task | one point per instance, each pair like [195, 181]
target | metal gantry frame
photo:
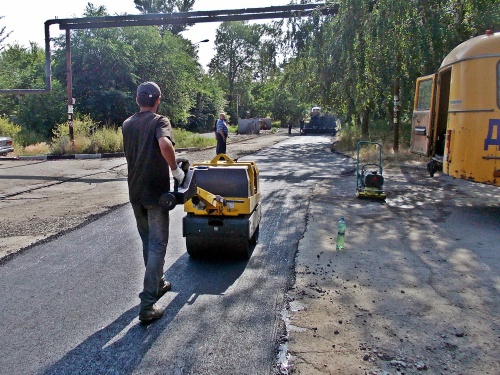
[158, 19]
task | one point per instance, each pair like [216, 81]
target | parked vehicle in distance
[5, 145]
[320, 123]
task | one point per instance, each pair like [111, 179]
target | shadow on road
[122, 345]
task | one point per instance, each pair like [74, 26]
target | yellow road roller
[221, 199]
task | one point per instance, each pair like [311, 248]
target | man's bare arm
[168, 152]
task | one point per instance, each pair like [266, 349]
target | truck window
[424, 95]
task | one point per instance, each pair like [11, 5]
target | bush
[41, 148]
[88, 136]
[108, 139]
[28, 137]
[9, 129]
[348, 137]
[184, 138]
[91, 138]
[380, 132]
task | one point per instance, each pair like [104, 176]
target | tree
[3, 35]
[108, 64]
[237, 45]
[23, 68]
[102, 71]
[349, 62]
[270, 46]
[41, 113]
[210, 101]
[166, 6]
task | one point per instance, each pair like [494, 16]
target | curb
[72, 156]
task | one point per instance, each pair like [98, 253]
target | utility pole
[69, 86]
[396, 119]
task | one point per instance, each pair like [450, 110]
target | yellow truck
[456, 114]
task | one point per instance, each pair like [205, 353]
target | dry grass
[41, 148]
[369, 153]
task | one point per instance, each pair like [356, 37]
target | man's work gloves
[178, 174]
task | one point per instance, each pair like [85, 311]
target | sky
[26, 19]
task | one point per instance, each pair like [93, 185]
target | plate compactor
[222, 200]
[369, 184]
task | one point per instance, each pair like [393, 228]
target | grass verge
[349, 136]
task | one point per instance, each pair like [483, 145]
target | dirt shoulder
[416, 288]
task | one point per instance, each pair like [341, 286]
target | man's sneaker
[153, 313]
[164, 287]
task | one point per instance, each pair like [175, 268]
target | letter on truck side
[422, 123]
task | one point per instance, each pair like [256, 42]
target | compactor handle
[181, 192]
[184, 165]
[223, 157]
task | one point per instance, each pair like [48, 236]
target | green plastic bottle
[341, 234]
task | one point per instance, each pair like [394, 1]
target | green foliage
[108, 64]
[176, 72]
[108, 140]
[184, 138]
[352, 69]
[210, 101]
[166, 6]
[40, 113]
[237, 45]
[348, 137]
[23, 68]
[9, 129]
[279, 99]
[28, 137]
[380, 131]
[3, 35]
[89, 137]
[82, 125]
[20, 137]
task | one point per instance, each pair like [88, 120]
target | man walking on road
[149, 149]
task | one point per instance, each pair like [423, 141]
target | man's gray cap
[149, 89]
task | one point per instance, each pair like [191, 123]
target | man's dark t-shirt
[148, 171]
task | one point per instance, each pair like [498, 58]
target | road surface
[71, 303]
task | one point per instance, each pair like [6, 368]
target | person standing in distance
[221, 132]
[149, 150]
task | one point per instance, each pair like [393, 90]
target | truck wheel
[432, 167]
